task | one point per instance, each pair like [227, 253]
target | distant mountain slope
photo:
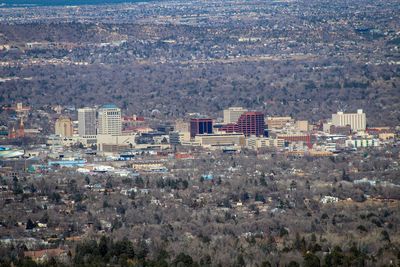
[185, 57]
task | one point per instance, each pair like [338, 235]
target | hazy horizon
[28, 3]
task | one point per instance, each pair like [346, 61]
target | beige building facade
[63, 127]
[109, 120]
[357, 121]
[232, 114]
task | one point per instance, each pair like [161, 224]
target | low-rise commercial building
[222, 139]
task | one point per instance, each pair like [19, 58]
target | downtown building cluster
[241, 128]
[106, 129]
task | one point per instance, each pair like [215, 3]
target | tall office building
[200, 126]
[109, 119]
[86, 121]
[357, 121]
[232, 114]
[249, 123]
[63, 127]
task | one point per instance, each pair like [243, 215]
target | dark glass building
[200, 126]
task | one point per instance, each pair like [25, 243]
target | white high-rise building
[86, 121]
[357, 121]
[109, 120]
[232, 114]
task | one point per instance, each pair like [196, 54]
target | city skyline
[199, 133]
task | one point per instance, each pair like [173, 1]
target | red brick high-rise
[249, 123]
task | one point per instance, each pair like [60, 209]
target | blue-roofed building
[207, 176]
[68, 163]
[106, 106]
[6, 152]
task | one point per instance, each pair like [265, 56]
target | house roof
[38, 254]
